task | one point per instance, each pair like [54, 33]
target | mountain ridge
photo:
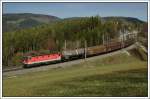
[15, 21]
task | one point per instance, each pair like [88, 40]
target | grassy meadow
[117, 75]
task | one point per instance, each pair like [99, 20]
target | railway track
[13, 69]
[16, 71]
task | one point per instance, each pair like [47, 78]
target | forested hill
[113, 18]
[12, 22]
[50, 38]
[124, 19]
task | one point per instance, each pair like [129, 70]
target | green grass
[118, 75]
[129, 83]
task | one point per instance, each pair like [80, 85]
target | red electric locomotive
[41, 59]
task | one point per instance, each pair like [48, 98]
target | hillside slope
[51, 37]
[13, 22]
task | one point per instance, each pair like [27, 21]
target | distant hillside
[13, 22]
[123, 19]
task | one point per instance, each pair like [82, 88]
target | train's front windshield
[26, 58]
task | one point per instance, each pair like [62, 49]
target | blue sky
[64, 10]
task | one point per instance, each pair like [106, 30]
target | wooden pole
[65, 45]
[103, 40]
[85, 50]
[107, 40]
[123, 37]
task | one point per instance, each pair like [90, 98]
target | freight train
[67, 55]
